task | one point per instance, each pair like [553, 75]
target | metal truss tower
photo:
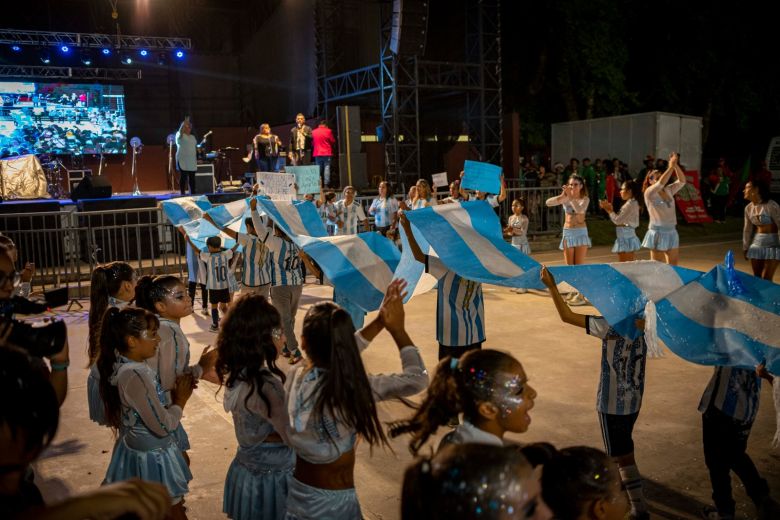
[403, 80]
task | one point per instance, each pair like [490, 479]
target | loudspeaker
[92, 188]
[204, 179]
[348, 128]
[353, 170]
[410, 27]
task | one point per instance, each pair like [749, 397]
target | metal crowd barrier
[67, 245]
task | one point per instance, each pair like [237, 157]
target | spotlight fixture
[144, 53]
[126, 59]
[44, 56]
[106, 52]
[16, 48]
[179, 54]
[86, 58]
[65, 49]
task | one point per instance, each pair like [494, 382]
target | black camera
[39, 339]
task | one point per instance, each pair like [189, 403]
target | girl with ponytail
[134, 404]
[167, 297]
[112, 285]
[491, 390]
[248, 344]
[331, 400]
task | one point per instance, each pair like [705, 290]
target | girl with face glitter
[135, 405]
[582, 483]
[621, 386]
[491, 390]
[473, 481]
[167, 297]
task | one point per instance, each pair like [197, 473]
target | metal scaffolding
[400, 80]
[89, 73]
[47, 38]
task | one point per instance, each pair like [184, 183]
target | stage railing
[67, 245]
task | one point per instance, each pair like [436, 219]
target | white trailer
[630, 138]
[773, 163]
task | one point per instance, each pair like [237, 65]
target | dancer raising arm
[626, 222]
[661, 238]
[331, 400]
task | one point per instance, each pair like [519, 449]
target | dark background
[255, 61]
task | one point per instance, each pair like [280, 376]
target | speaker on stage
[410, 27]
[353, 170]
[92, 188]
[204, 179]
[348, 128]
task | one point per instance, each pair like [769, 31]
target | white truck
[631, 138]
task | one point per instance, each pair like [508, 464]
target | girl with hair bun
[332, 400]
[112, 285]
[626, 222]
[135, 405]
[167, 297]
[491, 390]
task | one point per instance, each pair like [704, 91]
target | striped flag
[226, 214]
[620, 291]
[467, 237]
[360, 266]
[200, 230]
[726, 318]
[185, 209]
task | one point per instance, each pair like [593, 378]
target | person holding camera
[49, 341]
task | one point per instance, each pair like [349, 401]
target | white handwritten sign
[278, 186]
[440, 180]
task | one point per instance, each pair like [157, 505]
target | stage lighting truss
[94, 73]
[69, 39]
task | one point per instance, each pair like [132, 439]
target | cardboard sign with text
[482, 177]
[278, 186]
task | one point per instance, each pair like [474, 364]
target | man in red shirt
[323, 143]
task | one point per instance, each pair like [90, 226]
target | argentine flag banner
[621, 291]
[359, 266]
[468, 239]
[185, 209]
[725, 317]
[226, 214]
[201, 229]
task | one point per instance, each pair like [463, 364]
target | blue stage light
[15, 48]
[180, 54]
[144, 53]
[106, 52]
[65, 49]
[45, 57]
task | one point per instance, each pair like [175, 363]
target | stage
[120, 200]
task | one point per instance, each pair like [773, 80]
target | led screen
[61, 118]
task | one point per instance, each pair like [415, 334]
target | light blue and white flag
[621, 291]
[185, 209]
[725, 317]
[359, 266]
[226, 214]
[200, 230]
[468, 238]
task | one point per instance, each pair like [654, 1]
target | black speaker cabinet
[115, 232]
[408, 33]
[204, 179]
[92, 188]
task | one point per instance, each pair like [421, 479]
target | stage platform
[121, 199]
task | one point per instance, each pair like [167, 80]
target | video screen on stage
[61, 118]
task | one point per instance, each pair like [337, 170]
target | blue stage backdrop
[61, 118]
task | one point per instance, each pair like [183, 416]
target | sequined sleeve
[628, 216]
[137, 391]
[273, 390]
[557, 200]
[747, 229]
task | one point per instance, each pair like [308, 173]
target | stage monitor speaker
[353, 170]
[348, 126]
[204, 179]
[92, 188]
[410, 27]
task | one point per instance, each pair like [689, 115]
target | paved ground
[562, 363]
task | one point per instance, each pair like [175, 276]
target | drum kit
[55, 173]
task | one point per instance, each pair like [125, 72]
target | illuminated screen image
[61, 119]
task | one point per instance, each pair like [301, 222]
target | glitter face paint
[505, 390]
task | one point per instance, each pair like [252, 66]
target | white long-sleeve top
[141, 399]
[251, 417]
[173, 357]
[570, 206]
[762, 214]
[519, 225]
[321, 440]
[661, 211]
[628, 216]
